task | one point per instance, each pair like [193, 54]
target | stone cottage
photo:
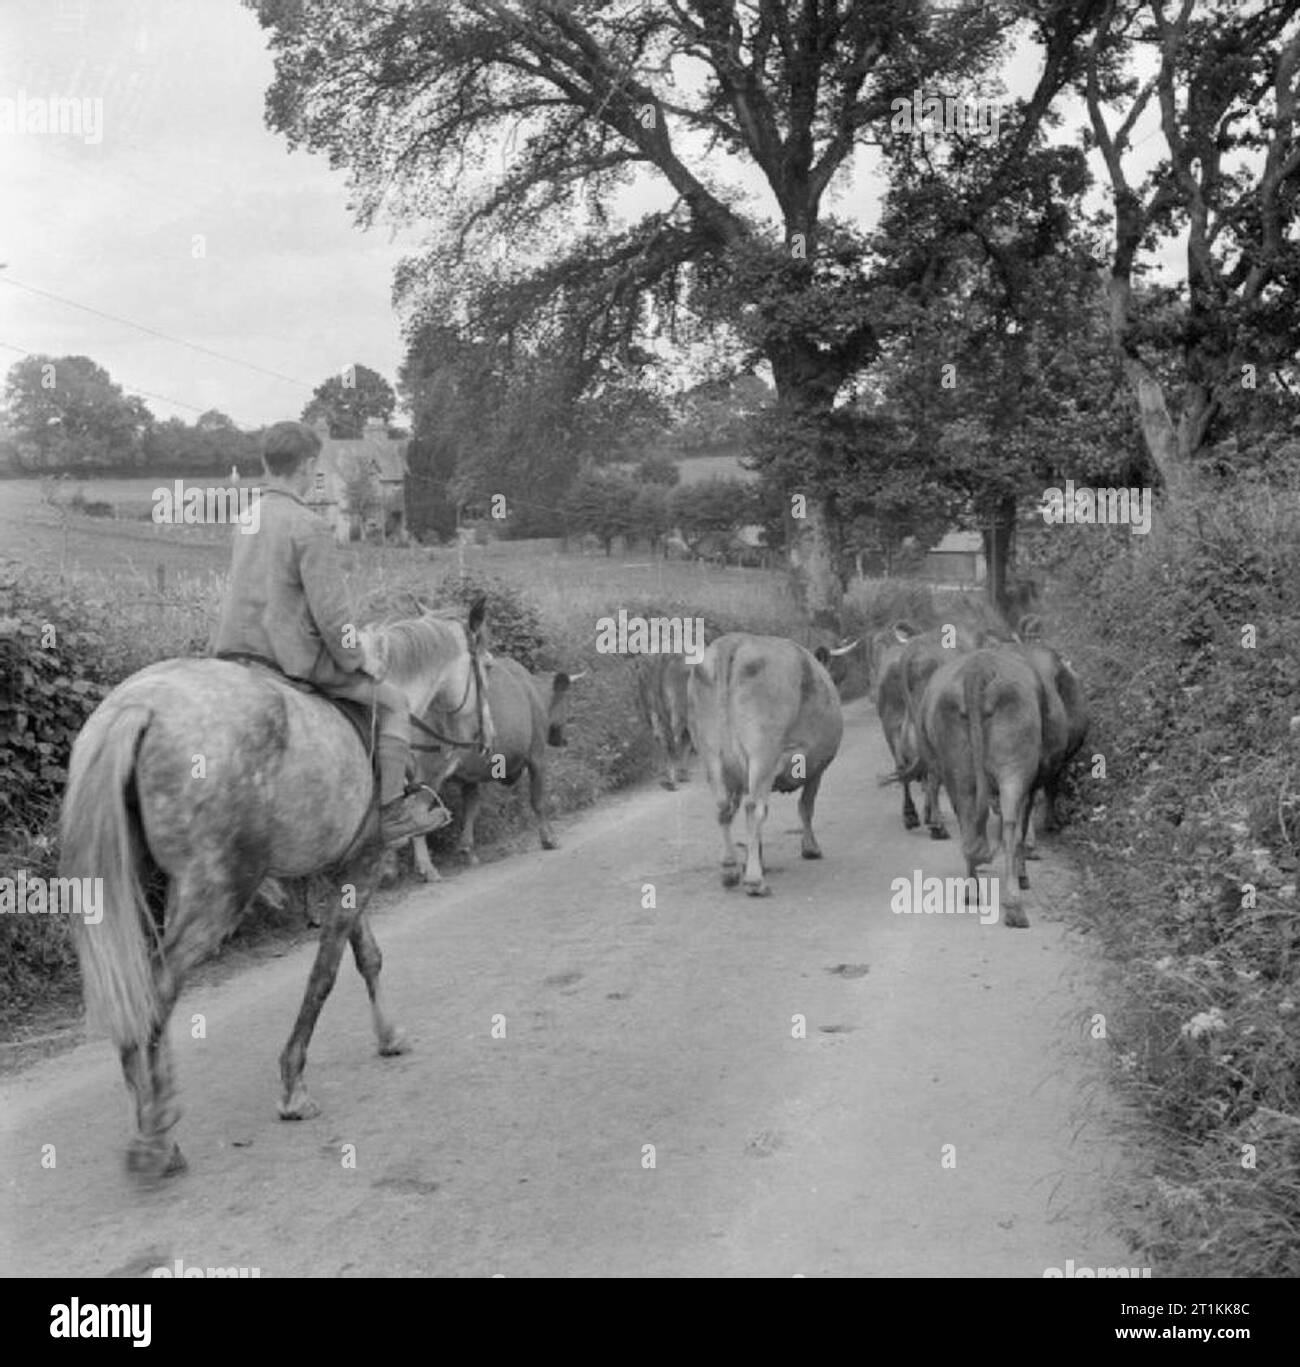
[359, 484]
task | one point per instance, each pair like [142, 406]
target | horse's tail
[98, 838]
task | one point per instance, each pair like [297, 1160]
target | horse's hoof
[1017, 919]
[939, 833]
[1033, 854]
[394, 1042]
[299, 1107]
[551, 844]
[669, 784]
[758, 890]
[431, 876]
[1024, 881]
[910, 821]
[151, 1160]
[811, 852]
[730, 877]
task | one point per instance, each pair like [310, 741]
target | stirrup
[435, 802]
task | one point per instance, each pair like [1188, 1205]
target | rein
[478, 743]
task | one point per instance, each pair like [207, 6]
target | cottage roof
[374, 448]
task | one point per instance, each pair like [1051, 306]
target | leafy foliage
[347, 401]
[66, 413]
[513, 622]
[52, 676]
[603, 503]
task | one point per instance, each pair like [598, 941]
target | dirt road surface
[626, 1026]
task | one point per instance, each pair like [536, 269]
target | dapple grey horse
[191, 782]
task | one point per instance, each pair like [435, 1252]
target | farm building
[957, 559]
[359, 483]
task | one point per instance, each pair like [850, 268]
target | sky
[174, 208]
[182, 213]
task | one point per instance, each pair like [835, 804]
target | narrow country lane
[625, 1027]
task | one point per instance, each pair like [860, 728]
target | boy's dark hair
[288, 445]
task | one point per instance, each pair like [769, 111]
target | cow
[834, 660]
[983, 719]
[527, 718]
[763, 715]
[1065, 726]
[901, 661]
[661, 700]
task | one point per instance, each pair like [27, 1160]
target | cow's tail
[554, 729]
[912, 767]
[973, 680]
[98, 838]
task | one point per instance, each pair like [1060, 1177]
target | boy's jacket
[285, 601]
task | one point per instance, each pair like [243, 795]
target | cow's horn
[844, 650]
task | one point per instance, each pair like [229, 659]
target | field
[137, 561]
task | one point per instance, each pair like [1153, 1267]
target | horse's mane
[417, 645]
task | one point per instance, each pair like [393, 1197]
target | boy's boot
[403, 814]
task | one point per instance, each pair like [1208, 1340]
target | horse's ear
[477, 612]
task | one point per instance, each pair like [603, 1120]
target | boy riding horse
[285, 607]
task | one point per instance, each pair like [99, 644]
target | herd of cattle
[992, 719]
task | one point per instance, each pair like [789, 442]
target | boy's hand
[374, 656]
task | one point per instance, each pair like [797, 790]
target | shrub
[514, 625]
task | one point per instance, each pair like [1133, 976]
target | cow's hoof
[669, 784]
[758, 890]
[1033, 854]
[299, 1107]
[1016, 919]
[939, 833]
[1023, 880]
[550, 843]
[910, 821]
[471, 858]
[394, 1042]
[811, 852]
[431, 875]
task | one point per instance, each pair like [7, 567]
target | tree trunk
[999, 548]
[1171, 447]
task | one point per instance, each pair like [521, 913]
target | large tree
[503, 118]
[1221, 90]
[348, 399]
[67, 413]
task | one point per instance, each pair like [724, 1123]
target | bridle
[479, 743]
